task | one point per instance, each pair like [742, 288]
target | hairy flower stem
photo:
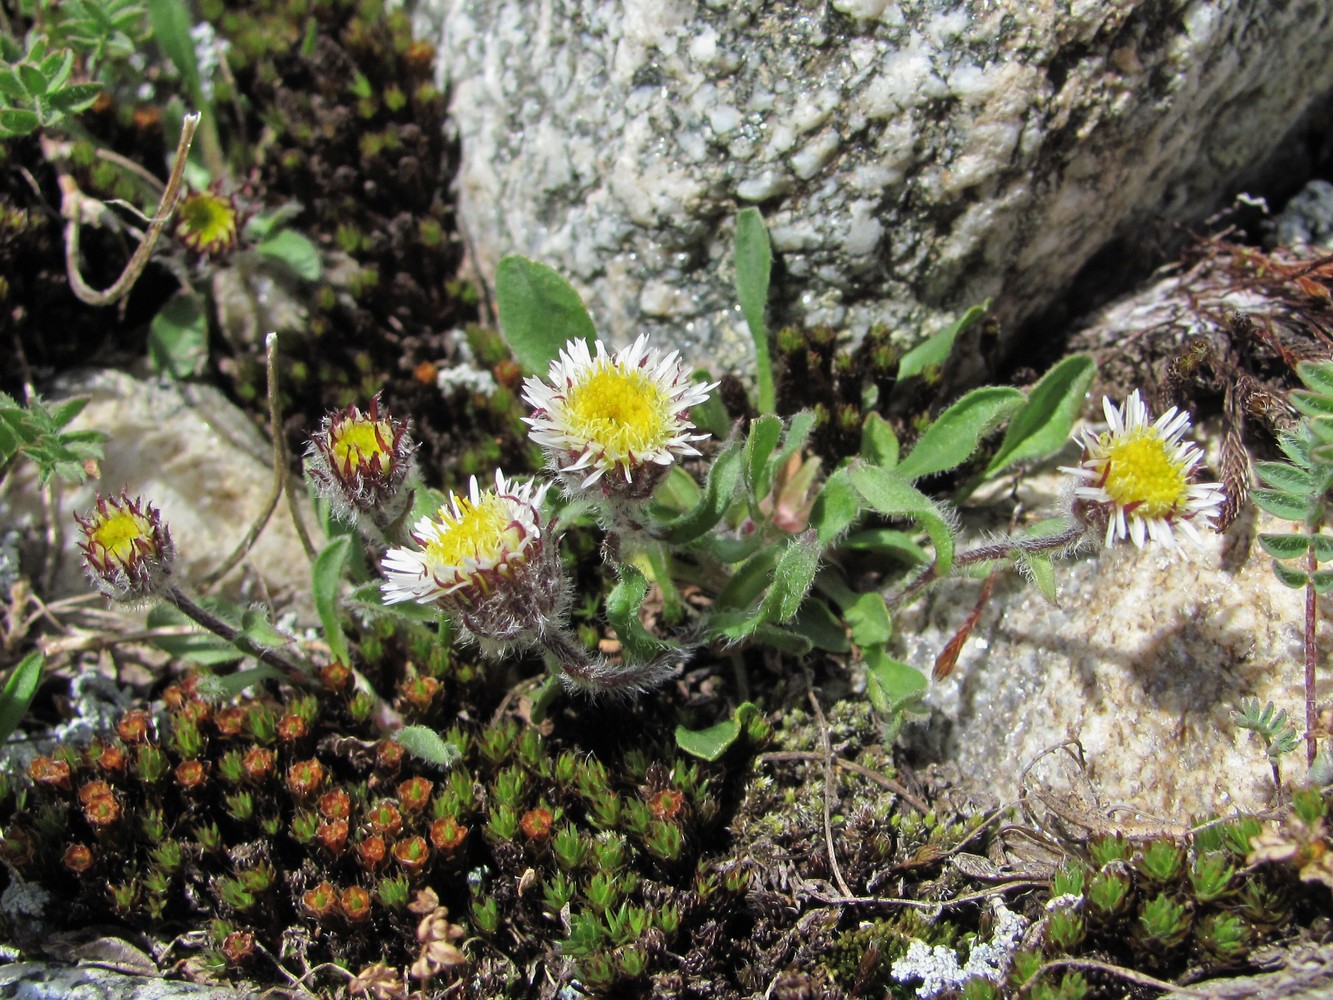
[593, 673]
[1311, 654]
[1003, 548]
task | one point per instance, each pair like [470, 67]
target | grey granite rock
[50, 981]
[912, 158]
[200, 460]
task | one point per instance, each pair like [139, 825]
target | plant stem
[186, 606]
[1003, 548]
[1311, 654]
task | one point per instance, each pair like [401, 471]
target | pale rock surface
[196, 457]
[912, 158]
[1143, 663]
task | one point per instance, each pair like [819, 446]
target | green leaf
[229, 686]
[954, 437]
[428, 745]
[64, 412]
[1043, 425]
[1323, 547]
[889, 542]
[835, 508]
[178, 337]
[200, 647]
[75, 98]
[33, 81]
[719, 488]
[326, 579]
[259, 630]
[749, 580]
[792, 577]
[1041, 570]
[1317, 375]
[765, 431]
[817, 623]
[171, 26]
[879, 445]
[1312, 404]
[622, 610]
[799, 426]
[1283, 505]
[892, 686]
[868, 618]
[1293, 578]
[754, 262]
[56, 68]
[1285, 477]
[19, 691]
[294, 251]
[11, 87]
[711, 743]
[933, 351]
[1285, 546]
[890, 494]
[1323, 581]
[784, 640]
[18, 122]
[539, 312]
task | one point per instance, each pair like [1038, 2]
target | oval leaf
[720, 486]
[19, 691]
[539, 312]
[1043, 425]
[1282, 476]
[711, 743]
[1280, 504]
[1285, 546]
[953, 438]
[295, 251]
[327, 579]
[932, 352]
[889, 493]
[427, 744]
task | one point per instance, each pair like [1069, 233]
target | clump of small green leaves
[36, 90]
[38, 431]
[1297, 490]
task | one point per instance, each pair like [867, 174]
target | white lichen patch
[938, 967]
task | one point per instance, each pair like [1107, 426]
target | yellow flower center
[208, 220]
[482, 532]
[357, 443]
[117, 534]
[1141, 469]
[622, 412]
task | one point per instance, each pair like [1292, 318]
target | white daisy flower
[623, 416]
[475, 546]
[1137, 477]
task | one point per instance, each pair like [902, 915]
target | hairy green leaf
[1323, 581]
[1286, 477]
[539, 312]
[1042, 426]
[1317, 375]
[888, 542]
[955, 435]
[1282, 504]
[719, 488]
[622, 611]
[765, 432]
[326, 577]
[879, 445]
[1285, 546]
[792, 577]
[932, 352]
[428, 745]
[1288, 576]
[33, 81]
[1312, 404]
[836, 507]
[892, 495]
[1041, 571]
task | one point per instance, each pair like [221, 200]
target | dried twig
[76, 207]
[828, 795]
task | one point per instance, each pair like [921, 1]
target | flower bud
[127, 550]
[359, 462]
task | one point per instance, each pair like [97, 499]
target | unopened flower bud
[207, 222]
[127, 550]
[359, 462]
